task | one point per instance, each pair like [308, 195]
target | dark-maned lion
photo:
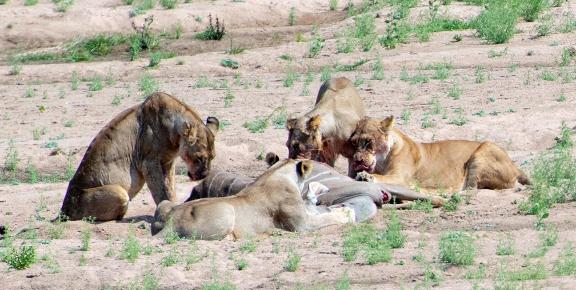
[447, 166]
[273, 201]
[322, 134]
[139, 146]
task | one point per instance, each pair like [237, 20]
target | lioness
[449, 166]
[273, 201]
[139, 145]
[322, 134]
[324, 187]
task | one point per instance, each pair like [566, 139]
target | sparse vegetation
[131, 247]
[292, 16]
[293, 261]
[457, 248]
[213, 31]
[505, 247]
[566, 264]
[316, 43]
[497, 24]
[363, 238]
[169, 4]
[86, 235]
[21, 258]
[229, 63]
[553, 178]
[147, 85]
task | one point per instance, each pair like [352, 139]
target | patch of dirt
[504, 98]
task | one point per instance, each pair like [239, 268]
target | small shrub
[442, 71]
[545, 27]
[63, 5]
[363, 238]
[229, 63]
[212, 32]
[293, 261]
[531, 9]
[228, 99]
[457, 248]
[460, 119]
[169, 4]
[476, 273]
[147, 85]
[326, 74]
[86, 235]
[530, 272]
[566, 57]
[422, 205]
[257, 125]
[291, 76]
[333, 5]
[378, 68]
[453, 202]
[130, 247]
[455, 92]
[170, 234]
[22, 258]
[497, 24]
[241, 264]
[566, 264]
[505, 247]
[15, 68]
[249, 246]
[292, 16]
[393, 234]
[96, 84]
[481, 74]
[316, 43]
[171, 259]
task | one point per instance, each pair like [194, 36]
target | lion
[272, 201]
[443, 166]
[139, 146]
[323, 133]
[323, 187]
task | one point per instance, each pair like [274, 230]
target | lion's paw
[364, 176]
[344, 214]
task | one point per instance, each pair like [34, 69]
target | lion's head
[304, 137]
[372, 142]
[197, 146]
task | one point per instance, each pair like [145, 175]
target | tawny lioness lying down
[139, 146]
[273, 201]
[324, 187]
[446, 166]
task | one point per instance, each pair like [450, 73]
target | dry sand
[521, 114]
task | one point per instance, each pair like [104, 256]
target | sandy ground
[514, 107]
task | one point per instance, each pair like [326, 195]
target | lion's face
[371, 141]
[197, 147]
[304, 138]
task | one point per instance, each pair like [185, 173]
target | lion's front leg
[377, 178]
[160, 180]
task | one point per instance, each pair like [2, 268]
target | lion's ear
[291, 123]
[189, 132]
[387, 123]
[314, 123]
[213, 124]
[304, 168]
[272, 158]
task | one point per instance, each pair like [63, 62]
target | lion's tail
[522, 178]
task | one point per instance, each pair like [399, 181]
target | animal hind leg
[104, 203]
[491, 168]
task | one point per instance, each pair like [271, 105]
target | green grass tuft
[457, 248]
